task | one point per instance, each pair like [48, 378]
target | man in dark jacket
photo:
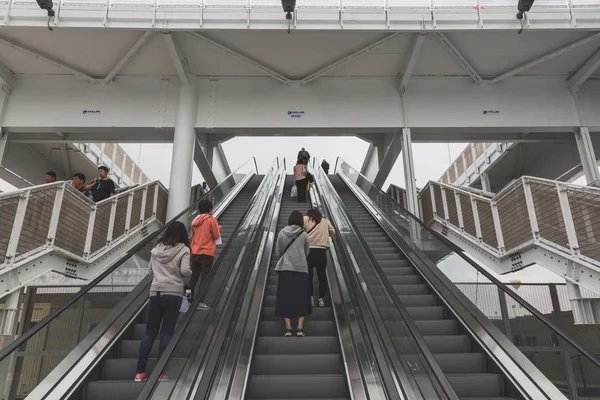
[325, 166]
[304, 155]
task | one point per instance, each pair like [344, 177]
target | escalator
[463, 362]
[309, 367]
[115, 374]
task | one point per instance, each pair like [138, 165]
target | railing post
[155, 201]
[15, 234]
[476, 219]
[111, 221]
[129, 211]
[58, 199]
[90, 233]
[497, 227]
[433, 208]
[565, 209]
[461, 223]
[535, 230]
[445, 203]
[143, 210]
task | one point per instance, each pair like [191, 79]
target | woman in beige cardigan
[319, 231]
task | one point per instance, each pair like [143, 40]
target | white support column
[391, 147]
[58, 199]
[476, 219]
[587, 154]
[218, 161]
[485, 182]
[533, 222]
[184, 142]
[371, 163]
[3, 143]
[412, 203]
[498, 228]
[90, 234]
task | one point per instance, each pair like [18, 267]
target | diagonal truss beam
[586, 70]
[47, 59]
[544, 58]
[6, 77]
[254, 64]
[412, 61]
[359, 53]
[179, 60]
[443, 39]
[128, 56]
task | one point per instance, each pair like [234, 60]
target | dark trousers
[301, 186]
[317, 258]
[201, 265]
[162, 316]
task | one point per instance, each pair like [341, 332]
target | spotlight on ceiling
[523, 7]
[289, 6]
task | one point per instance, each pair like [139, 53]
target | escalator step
[283, 364]
[311, 327]
[295, 345]
[448, 344]
[411, 289]
[399, 270]
[439, 327]
[297, 386]
[477, 385]
[461, 363]
[419, 300]
[113, 390]
[426, 313]
[405, 279]
[318, 314]
[130, 348]
[121, 368]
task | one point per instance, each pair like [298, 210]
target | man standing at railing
[50, 177]
[103, 187]
[79, 184]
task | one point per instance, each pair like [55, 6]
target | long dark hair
[315, 215]
[296, 218]
[175, 233]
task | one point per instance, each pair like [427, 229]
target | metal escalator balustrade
[51, 342]
[530, 221]
[406, 364]
[436, 265]
[193, 353]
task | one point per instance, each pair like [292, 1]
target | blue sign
[491, 112]
[86, 112]
[296, 114]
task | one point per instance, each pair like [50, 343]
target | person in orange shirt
[205, 232]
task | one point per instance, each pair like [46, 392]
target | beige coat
[319, 236]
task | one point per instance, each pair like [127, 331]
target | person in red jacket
[205, 232]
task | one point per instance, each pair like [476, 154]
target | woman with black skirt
[293, 298]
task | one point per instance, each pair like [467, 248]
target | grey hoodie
[169, 265]
[294, 258]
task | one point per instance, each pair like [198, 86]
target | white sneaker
[321, 303]
[203, 306]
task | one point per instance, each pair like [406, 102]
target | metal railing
[58, 217]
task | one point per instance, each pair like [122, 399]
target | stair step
[461, 363]
[296, 345]
[477, 385]
[298, 386]
[318, 314]
[306, 364]
[311, 327]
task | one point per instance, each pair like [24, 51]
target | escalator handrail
[425, 351]
[6, 351]
[165, 357]
[555, 328]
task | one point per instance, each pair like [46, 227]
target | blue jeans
[162, 315]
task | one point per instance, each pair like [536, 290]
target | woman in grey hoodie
[169, 265]
[293, 297]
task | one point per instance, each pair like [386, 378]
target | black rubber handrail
[169, 350]
[414, 331]
[489, 276]
[5, 352]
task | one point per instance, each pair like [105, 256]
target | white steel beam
[458, 57]
[47, 59]
[412, 61]
[359, 53]
[179, 60]
[258, 66]
[66, 163]
[128, 56]
[6, 77]
[586, 70]
[544, 58]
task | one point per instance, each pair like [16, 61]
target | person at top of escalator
[304, 155]
[292, 299]
[205, 232]
[325, 166]
[301, 179]
[319, 231]
[169, 266]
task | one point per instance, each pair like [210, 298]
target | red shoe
[141, 377]
[163, 377]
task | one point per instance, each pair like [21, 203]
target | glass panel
[526, 331]
[27, 366]
[412, 368]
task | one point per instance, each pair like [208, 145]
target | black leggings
[317, 258]
[301, 186]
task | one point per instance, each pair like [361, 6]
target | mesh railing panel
[585, 209]
[514, 219]
[129, 168]
[161, 209]
[136, 175]
[37, 220]
[109, 148]
[548, 213]
[467, 214]
[439, 204]
[136, 209]
[119, 158]
[8, 211]
[486, 220]
[120, 217]
[452, 211]
[468, 156]
[479, 149]
[101, 227]
[149, 202]
[452, 175]
[460, 167]
[73, 223]
[426, 204]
